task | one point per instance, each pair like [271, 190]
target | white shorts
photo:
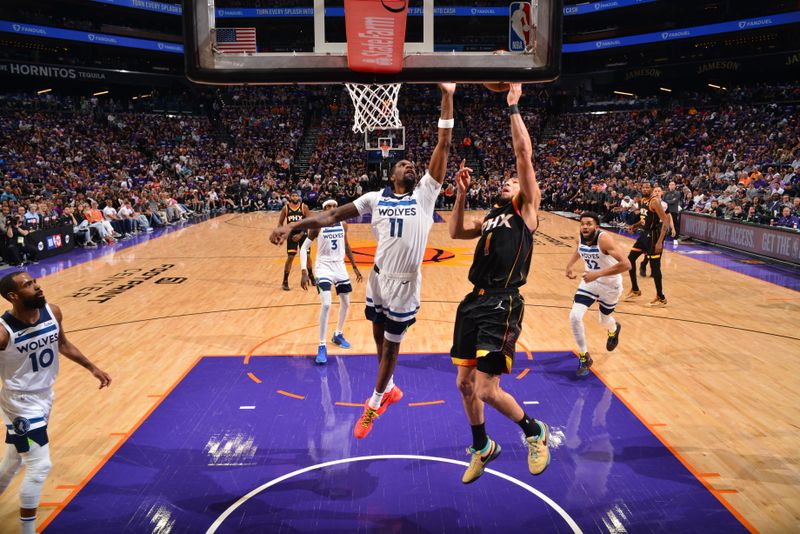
[330, 274]
[393, 300]
[31, 406]
[606, 291]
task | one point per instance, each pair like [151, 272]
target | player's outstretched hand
[463, 177]
[102, 376]
[514, 93]
[448, 88]
[305, 281]
[280, 234]
[571, 274]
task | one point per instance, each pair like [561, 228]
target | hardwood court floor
[713, 374]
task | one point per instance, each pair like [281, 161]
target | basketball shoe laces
[534, 450]
[368, 417]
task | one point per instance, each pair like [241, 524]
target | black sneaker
[285, 285]
[585, 362]
[643, 271]
[613, 339]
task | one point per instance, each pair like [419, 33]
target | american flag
[236, 40]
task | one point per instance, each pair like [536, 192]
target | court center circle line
[547, 500]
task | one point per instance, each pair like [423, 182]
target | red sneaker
[364, 423]
[390, 398]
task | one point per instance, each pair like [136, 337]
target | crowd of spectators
[111, 171]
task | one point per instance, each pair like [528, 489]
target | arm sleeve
[304, 254]
[366, 202]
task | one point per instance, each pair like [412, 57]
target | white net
[376, 106]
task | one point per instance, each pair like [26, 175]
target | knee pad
[325, 297]
[576, 313]
[38, 465]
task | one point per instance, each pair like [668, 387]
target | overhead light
[135, 98]
[665, 89]
[714, 86]
[43, 91]
[724, 88]
[623, 93]
[100, 93]
[598, 112]
[146, 96]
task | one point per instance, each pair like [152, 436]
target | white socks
[375, 400]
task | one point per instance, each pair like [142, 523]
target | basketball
[497, 87]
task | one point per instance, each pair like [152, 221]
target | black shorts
[293, 246]
[646, 244]
[486, 331]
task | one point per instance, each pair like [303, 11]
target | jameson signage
[781, 244]
[718, 65]
[69, 72]
[643, 73]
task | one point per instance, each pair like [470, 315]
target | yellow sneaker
[538, 450]
[657, 303]
[632, 295]
[479, 461]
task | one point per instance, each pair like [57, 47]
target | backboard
[304, 41]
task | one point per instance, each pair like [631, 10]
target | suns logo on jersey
[497, 222]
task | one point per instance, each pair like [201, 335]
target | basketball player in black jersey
[294, 211]
[489, 319]
[654, 223]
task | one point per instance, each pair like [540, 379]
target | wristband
[446, 123]
[513, 109]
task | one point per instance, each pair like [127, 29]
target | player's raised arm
[438, 164]
[530, 195]
[317, 220]
[456, 223]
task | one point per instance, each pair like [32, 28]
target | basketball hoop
[385, 149]
[375, 105]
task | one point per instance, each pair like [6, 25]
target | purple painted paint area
[367, 219]
[77, 255]
[768, 271]
[200, 452]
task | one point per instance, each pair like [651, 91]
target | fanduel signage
[33, 30]
[594, 7]
[686, 33]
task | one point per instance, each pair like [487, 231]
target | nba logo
[57, 240]
[521, 27]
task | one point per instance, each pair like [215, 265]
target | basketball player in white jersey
[602, 282]
[331, 271]
[402, 216]
[31, 338]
